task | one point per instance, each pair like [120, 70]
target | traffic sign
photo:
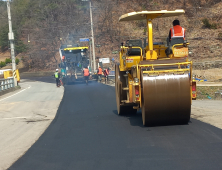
[104, 60]
[84, 39]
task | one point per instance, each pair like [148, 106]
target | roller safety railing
[166, 71]
[6, 84]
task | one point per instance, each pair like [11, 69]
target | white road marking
[16, 118]
[15, 93]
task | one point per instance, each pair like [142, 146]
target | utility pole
[11, 39]
[90, 54]
[93, 44]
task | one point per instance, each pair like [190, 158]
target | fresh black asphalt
[87, 134]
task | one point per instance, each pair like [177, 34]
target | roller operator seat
[134, 52]
[174, 40]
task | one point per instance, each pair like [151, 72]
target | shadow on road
[136, 120]
[79, 82]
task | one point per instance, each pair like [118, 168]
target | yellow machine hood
[150, 15]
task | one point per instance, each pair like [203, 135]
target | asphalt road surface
[87, 134]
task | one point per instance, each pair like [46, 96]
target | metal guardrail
[218, 94]
[111, 74]
[6, 84]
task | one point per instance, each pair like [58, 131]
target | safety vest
[56, 75]
[106, 72]
[100, 71]
[177, 31]
[86, 72]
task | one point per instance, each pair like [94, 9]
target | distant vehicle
[73, 60]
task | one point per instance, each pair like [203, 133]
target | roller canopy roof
[150, 15]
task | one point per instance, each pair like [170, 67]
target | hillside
[48, 23]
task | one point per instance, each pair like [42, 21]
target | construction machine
[73, 59]
[147, 78]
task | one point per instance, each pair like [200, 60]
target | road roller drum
[165, 99]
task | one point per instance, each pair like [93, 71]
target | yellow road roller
[147, 78]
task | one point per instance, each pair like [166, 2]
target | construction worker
[63, 76]
[57, 77]
[106, 74]
[63, 58]
[90, 72]
[177, 31]
[99, 73]
[86, 74]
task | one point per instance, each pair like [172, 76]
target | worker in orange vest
[99, 73]
[106, 74]
[86, 74]
[177, 31]
[63, 58]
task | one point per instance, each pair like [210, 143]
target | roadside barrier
[112, 73]
[6, 84]
[218, 94]
[9, 74]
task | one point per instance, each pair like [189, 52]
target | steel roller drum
[166, 99]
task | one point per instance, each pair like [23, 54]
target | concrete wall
[207, 65]
[36, 74]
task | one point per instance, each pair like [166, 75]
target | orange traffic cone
[61, 83]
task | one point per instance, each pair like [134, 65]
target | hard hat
[57, 69]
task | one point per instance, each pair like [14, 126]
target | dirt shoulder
[208, 111]
[211, 75]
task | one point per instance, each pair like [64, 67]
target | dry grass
[5, 55]
[208, 92]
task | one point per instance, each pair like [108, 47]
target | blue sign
[84, 39]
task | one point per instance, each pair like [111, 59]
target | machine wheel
[165, 100]
[121, 94]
